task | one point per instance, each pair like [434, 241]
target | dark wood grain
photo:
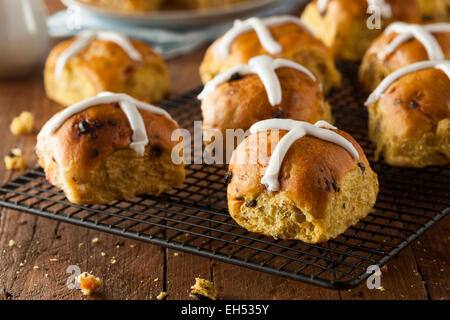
[142, 271]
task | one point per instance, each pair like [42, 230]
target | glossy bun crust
[298, 45]
[323, 189]
[89, 157]
[436, 10]
[410, 124]
[126, 5]
[375, 68]
[343, 26]
[105, 66]
[240, 103]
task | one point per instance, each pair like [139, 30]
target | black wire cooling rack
[194, 217]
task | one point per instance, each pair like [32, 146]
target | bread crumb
[24, 123]
[113, 261]
[14, 160]
[36, 267]
[95, 240]
[381, 288]
[21, 264]
[156, 280]
[102, 254]
[89, 283]
[132, 245]
[11, 243]
[203, 289]
[54, 260]
[175, 254]
[46, 275]
[80, 244]
[162, 296]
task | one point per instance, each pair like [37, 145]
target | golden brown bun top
[416, 103]
[409, 52]
[108, 131]
[310, 173]
[241, 103]
[105, 62]
[344, 10]
[292, 37]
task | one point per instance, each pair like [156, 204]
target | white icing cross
[322, 5]
[443, 65]
[297, 130]
[385, 8]
[424, 34]
[264, 67]
[128, 105]
[85, 38]
[262, 31]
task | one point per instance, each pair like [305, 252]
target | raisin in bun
[97, 61]
[126, 5]
[91, 152]
[403, 44]
[280, 37]
[244, 95]
[409, 116]
[343, 25]
[323, 185]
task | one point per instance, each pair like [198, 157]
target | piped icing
[264, 67]
[443, 65]
[297, 130]
[424, 34]
[128, 105]
[85, 38]
[262, 31]
[385, 8]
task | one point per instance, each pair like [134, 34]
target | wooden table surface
[142, 271]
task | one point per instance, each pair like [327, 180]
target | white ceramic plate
[179, 18]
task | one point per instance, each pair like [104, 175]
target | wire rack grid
[194, 217]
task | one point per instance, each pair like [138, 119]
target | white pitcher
[24, 39]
